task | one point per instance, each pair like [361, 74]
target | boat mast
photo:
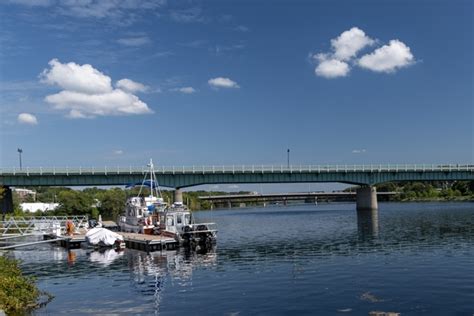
[152, 171]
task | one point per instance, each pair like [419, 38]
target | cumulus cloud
[332, 68]
[358, 151]
[349, 43]
[344, 50]
[134, 41]
[118, 152]
[27, 118]
[74, 77]
[131, 86]
[88, 93]
[221, 82]
[388, 58]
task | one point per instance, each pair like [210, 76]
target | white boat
[177, 222]
[141, 213]
[151, 215]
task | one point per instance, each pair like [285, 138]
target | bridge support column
[178, 195]
[367, 198]
[6, 201]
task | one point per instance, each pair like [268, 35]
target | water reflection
[367, 224]
[150, 272]
[105, 257]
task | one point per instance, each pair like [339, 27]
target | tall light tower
[20, 151]
[288, 157]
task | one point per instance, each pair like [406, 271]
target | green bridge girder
[186, 177]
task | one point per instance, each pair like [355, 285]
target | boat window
[169, 221]
[187, 219]
[179, 219]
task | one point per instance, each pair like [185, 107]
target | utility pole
[19, 153]
[288, 157]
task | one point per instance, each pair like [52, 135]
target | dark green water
[414, 258]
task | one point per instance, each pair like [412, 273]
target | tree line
[431, 190]
[109, 203]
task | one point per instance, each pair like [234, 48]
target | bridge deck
[186, 176]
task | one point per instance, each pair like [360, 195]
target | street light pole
[19, 153]
[288, 157]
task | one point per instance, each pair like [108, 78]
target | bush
[18, 293]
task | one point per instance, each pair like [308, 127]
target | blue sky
[235, 82]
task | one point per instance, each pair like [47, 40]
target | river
[411, 258]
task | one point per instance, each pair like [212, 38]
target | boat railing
[209, 227]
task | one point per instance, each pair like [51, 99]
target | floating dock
[142, 242]
[148, 243]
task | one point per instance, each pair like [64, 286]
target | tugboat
[141, 213]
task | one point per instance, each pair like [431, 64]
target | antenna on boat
[153, 181]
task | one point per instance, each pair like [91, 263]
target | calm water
[417, 259]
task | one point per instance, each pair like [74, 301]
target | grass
[18, 293]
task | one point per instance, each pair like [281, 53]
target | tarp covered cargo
[102, 237]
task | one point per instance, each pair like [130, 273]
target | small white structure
[23, 193]
[38, 206]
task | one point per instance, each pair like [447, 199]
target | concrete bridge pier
[367, 198]
[178, 195]
[6, 201]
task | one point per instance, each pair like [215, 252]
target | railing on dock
[38, 225]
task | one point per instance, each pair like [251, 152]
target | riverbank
[18, 293]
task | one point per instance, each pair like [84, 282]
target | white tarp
[102, 236]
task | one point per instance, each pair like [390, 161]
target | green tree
[74, 203]
[112, 203]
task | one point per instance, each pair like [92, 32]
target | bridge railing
[237, 169]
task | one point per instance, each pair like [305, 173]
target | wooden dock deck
[148, 242]
[142, 242]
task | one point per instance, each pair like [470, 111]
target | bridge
[366, 176]
[311, 197]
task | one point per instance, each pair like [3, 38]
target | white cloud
[345, 48]
[131, 86]
[26, 118]
[349, 43]
[332, 68]
[221, 82]
[186, 90]
[118, 152]
[78, 78]
[388, 58]
[134, 41]
[117, 102]
[88, 92]
[358, 151]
